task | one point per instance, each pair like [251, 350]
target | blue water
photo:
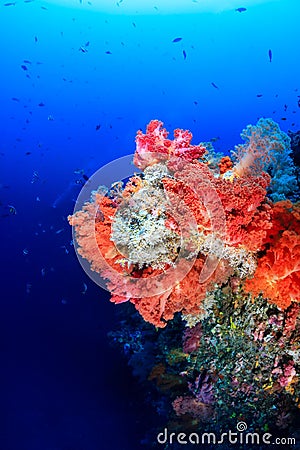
[62, 386]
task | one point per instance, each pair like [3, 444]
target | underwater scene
[150, 214]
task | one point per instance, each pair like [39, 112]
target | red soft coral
[219, 205]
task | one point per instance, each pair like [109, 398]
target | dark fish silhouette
[241, 9]
[214, 85]
[24, 67]
[108, 52]
[98, 127]
[184, 54]
[270, 55]
[177, 39]
[10, 4]
[259, 95]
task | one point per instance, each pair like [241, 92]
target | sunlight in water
[158, 6]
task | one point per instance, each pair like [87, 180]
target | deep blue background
[62, 386]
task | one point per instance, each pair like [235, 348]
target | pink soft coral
[154, 146]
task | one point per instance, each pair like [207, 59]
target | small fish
[43, 271]
[178, 39]
[259, 95]
[293, 124]
[28, 288]
[241, 9]
[133, 24]
[184, 54]
[50, 118]
[24, 67]
[26, 61]
[285, 107]
[85, 177]
[298, 103]
[108, 52]
[44, 7]
[25, 251]
[84, 289]
[28, 153]
[83, 50]
[38, 199]
[87, 44]
[98, 127]
[10, 4]
[79, 171]
[35, 39]
[41, 104]
[270, 55]
[59, 231]
[65, 249]
[15, 99]
[12, 210]
[214, 85]
[35, 177]
[283, 118]
[195, 103]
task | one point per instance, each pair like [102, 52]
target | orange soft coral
[218, 204]
[186, 296]
[92, 226]
[277, 275]
[225, 164]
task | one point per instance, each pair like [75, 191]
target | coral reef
[207, 249]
